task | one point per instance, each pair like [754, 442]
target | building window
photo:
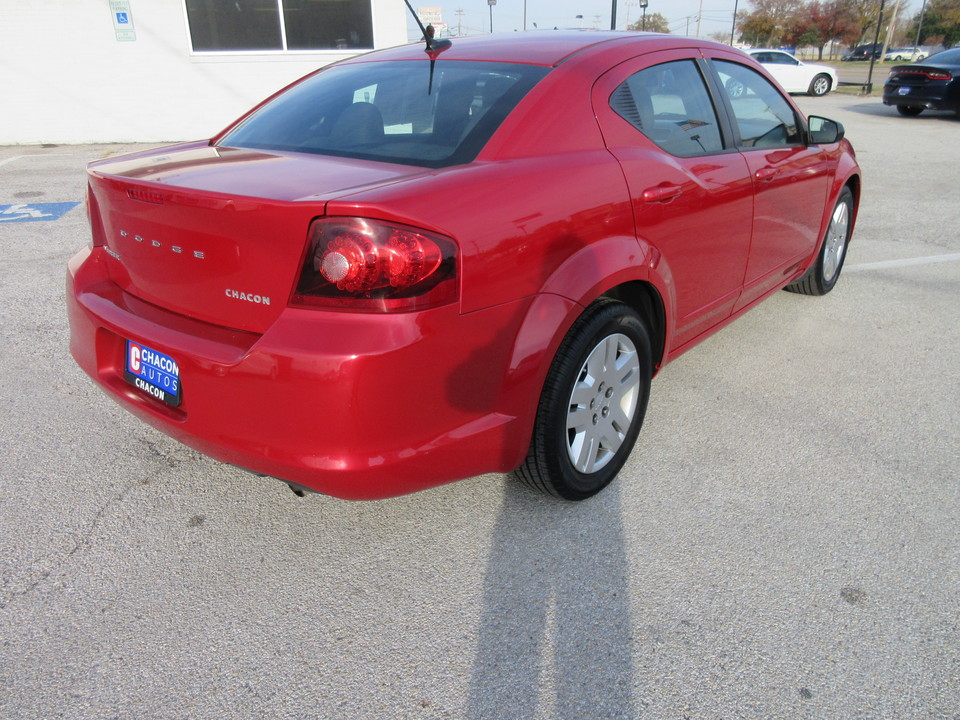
[278, 25]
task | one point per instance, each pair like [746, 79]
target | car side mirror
[823, 131]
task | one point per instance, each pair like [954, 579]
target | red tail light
[359, 264]
[928, 73]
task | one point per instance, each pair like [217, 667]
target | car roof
[548, 48]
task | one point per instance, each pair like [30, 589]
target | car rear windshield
[391, 111]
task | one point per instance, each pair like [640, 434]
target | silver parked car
[911, 54]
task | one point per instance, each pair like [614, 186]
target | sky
[717, 15]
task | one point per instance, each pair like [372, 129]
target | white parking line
[905, 262]
[9, 160]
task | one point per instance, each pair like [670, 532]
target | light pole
[491, 3]
[643, 7]
[613, 15]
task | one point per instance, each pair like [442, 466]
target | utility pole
[699, 17]
[869, 86]
[916, 43]
[891, 29]
[459, 23]
[733, 28]
[613, 16]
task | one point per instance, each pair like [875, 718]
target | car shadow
[878, 109]
[555, 632]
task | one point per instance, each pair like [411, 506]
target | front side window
[764, 118]
[670, 105]
[277, 25]
[391, 111]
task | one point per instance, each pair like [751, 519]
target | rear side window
[764, 118]
[390, 111]
[948, 57]
[670, 105]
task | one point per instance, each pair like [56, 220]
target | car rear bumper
[354, 405]
[932, 98]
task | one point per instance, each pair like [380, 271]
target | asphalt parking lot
[784, 542]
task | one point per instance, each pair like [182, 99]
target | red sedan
[412, 267]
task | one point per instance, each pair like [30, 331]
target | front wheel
[820, 85]
[824, 273]
[909, 110]
[592, 405]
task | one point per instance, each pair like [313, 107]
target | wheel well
[645, 299]
[854, 184]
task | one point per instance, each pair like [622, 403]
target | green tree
[941, 23]
[656, 22]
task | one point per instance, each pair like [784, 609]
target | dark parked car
[933, 85]
[412, 267]
[863, 52]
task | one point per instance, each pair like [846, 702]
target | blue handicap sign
[35, 212]
[122, 19]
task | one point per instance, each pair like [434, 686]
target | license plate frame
[154, 373]
[903, 91]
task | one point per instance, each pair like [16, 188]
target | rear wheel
[820, 85]
[909, 110]
[734, 88]
[592, 405]
[823, 275]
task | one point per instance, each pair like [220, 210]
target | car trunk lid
[217, 234]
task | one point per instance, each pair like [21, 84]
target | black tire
[824, 273]
[820, 85]
[909, 110]
[601, 374]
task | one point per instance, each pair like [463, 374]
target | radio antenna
[434, 47]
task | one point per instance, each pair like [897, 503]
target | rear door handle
[664, 192]
[767, 173]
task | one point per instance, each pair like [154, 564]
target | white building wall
[65, 78]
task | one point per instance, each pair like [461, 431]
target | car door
[790, 179]
[691, 191]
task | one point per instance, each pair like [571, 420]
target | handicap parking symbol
[123, 18]
[35, 212]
